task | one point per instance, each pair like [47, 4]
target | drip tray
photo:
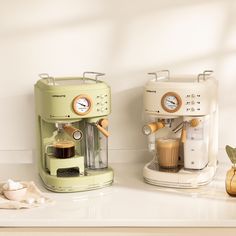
[155, 166]
[68, 172]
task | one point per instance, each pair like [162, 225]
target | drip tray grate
[155, 166]
[68, 172]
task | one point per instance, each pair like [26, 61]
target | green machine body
[72, 132]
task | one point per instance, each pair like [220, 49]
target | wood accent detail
[178, 99]
[88, 99]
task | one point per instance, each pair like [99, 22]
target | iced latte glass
[167, 152]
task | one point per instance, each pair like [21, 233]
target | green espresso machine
[72, 132]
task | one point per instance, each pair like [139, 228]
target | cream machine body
[72, 132]
[182, 129]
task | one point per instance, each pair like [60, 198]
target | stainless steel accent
[146, 130]
[168, 122]
[94, 73]
[46, 76]
[77, 135]
[156, 74]
[59, 126]
[178, 127]
[153, 73]
[204, 74]
[99, 74]
[207, 73]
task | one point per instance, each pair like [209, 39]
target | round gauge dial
[171, 102]
[82, 104]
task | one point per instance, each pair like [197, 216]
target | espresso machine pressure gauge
[171, 102]
[82, 104]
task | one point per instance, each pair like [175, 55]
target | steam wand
[183, 126]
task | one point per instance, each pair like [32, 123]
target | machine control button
[193, 95]
[103, 96]
[192, 102]
[192, 109]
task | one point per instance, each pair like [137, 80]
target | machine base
[180, 178]
[93, 179]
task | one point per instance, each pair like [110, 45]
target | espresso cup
[64, 149]
[167, 152]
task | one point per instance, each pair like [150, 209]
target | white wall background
[123, 38]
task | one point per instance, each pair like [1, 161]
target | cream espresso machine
[72, 132]
[182, 129]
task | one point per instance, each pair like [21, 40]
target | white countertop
[128, 203]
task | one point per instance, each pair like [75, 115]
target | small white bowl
[15, 195]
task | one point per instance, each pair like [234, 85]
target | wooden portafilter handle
[102, 125]
[73, 132]
[152, 127]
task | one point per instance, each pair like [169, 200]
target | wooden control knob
[103, 123]
[194, 122]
